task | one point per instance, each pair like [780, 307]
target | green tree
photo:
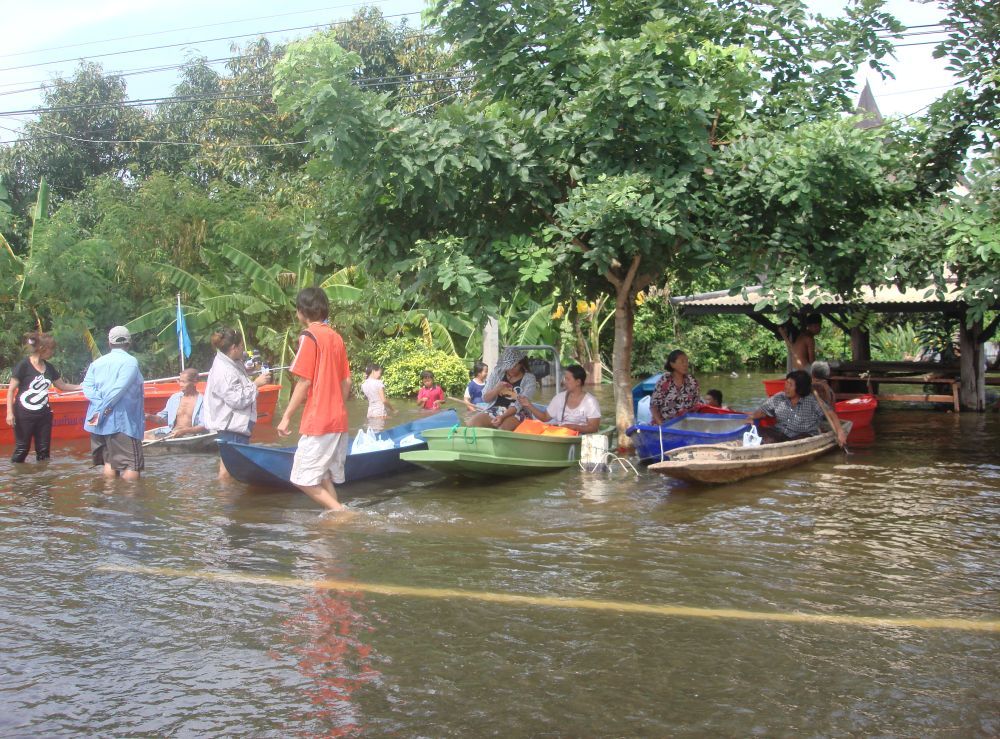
[75, 137]
[591, 130]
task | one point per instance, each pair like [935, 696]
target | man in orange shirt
[324, 381]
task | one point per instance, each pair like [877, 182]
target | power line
[414, 78]
[199, 41]
[50, 134]
[192, 28]
[160, 68]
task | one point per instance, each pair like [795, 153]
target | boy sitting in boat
[182, 413]
[798, 412]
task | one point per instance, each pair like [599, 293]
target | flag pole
[180, 335]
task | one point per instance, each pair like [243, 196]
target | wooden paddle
[831, 418]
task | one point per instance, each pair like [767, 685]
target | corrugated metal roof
[883, 299]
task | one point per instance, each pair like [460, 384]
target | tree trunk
[621, 361]
[972, 391]
[861, 345]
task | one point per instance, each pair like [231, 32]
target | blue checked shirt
[801, 420]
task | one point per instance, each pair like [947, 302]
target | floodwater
[181, 606]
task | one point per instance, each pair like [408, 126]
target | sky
[46, 39]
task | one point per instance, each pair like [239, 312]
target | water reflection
[327, 638]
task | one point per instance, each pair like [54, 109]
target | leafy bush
[402, 377]
[405, 358]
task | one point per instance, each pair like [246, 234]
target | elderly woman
[820, 372]
[677, 393]
[798, 412]
[507, 386]
[573, 408]
[230, 404]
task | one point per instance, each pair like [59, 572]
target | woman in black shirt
[28, 409]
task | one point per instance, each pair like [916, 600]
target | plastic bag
[410, 440]
[642, 412]
[751, 437]
[367, 441]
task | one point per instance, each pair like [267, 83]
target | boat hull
[652, 442]
[722, 463]
[482, 466]
[69, 411]
[271, 467]
[197, 444]
[486, 452]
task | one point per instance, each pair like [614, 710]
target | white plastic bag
[368, 441]
[642, 412]
[410, 440]
[362, 440]
[751, 437]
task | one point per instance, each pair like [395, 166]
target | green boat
[483, 452]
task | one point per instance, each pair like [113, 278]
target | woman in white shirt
[573, 408]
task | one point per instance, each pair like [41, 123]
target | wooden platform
[872, 382]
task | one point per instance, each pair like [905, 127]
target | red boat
[858, 411]
[69, 409]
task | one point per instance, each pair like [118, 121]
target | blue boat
[653, 442]
[268, 466]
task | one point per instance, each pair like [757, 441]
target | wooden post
[861, 345]
[972, 393]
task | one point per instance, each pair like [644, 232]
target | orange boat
[69, 409]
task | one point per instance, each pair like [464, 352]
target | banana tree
[258, 300]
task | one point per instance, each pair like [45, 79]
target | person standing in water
[230, 405]
[28, 409]
[374, 390]
[115, 418]
[324, 382]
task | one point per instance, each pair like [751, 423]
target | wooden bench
[954, 382]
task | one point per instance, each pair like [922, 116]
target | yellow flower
[559, 312]
[582, 306]
[640, 297]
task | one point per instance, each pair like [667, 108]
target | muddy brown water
[181, 606]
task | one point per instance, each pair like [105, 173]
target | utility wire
[199, 41]
[193, 28]
[902, 33]
[373, 82]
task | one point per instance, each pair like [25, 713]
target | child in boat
[474, 390]
[713, 398]
[431, 396]
[28, 409]
[374, 390]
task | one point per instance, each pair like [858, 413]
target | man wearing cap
[115, 418]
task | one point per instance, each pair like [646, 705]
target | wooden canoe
[193, 444]
[720, 463]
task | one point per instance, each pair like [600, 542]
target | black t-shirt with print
[33, 388]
